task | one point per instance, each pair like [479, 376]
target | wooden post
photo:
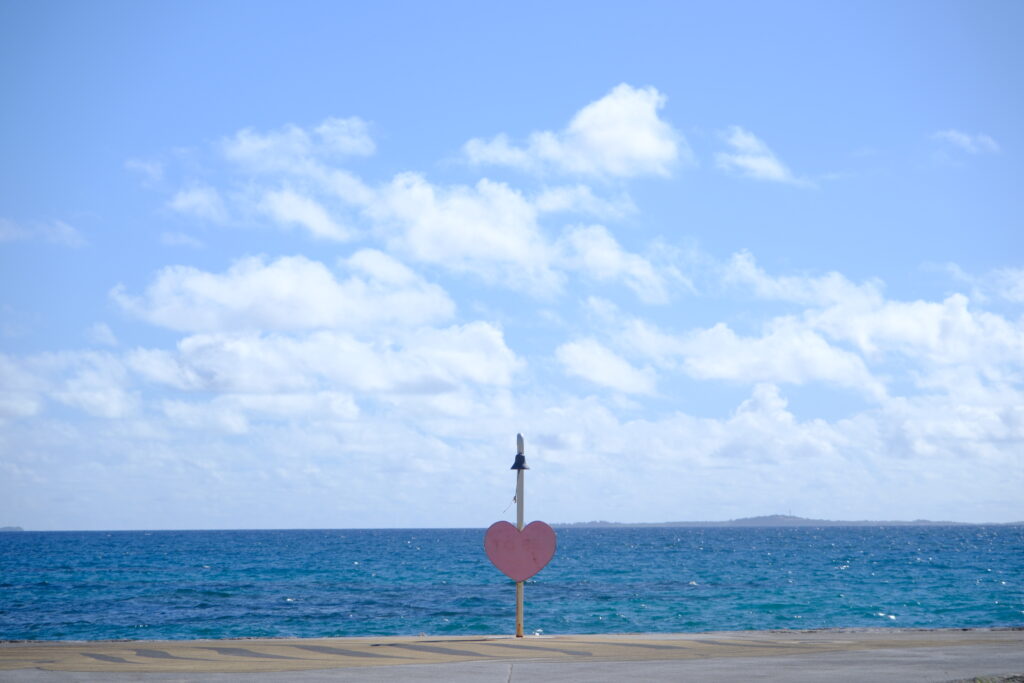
[519, 525]
[519, 551]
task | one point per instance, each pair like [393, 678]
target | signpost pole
[519, 525]
[519, 551]
[520, 467]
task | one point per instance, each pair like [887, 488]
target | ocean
[320, 583]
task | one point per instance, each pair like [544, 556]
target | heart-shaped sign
[520, 554]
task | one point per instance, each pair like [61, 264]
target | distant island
[769, 521]
[11, 528]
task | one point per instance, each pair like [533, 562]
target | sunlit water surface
[218, 584]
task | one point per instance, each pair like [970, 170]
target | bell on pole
[519, 551]
[520, 462]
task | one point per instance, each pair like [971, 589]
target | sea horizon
[760, 521]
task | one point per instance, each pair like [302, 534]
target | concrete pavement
[833, 655]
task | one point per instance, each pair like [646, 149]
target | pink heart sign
[520, 554]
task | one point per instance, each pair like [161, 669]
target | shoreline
[856, 653]
[434, 636]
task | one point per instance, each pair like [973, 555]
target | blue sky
[315, 264]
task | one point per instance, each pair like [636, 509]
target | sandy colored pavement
[838, 655]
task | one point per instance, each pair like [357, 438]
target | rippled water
[215, 584]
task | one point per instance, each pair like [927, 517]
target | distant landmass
[11, 528]
[769, 521]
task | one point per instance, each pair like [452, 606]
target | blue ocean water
[217, 584]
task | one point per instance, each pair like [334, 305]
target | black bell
[520, 463]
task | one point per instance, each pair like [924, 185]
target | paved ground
[833, 655]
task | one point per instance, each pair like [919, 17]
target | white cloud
[201, 201]
[787, 352]
[346, 136]
[588, 359]
[927, 334]
[343, 185]
[646, 340]
[498, 151]
[581, 199]
[98, 386]
[151, 171]
[97, 383]
[274, 151]
[490, 230]
[20, 389]
[12, 232]
[973, 144]
[231, 413]
[1004, 283]
[294, 152]
[594, 251]
[55, 232]
[943, 333]
[1009, 283]
[291, 208]
[294, 149]
[752, 158]
[100, 333]
[290, 293]
[352, 370]
[180, 239]
[59, 232]
[619, 135]
[425, 361]
[832, 288]
[212, 416]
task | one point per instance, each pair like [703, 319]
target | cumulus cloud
[619, 135]
[55, 232]
[231, 413]
[581, 199]
[493, 231]
[823, 290]
[97, 383]
[289, 293]
[292, 147]
[151, 172]
[1009, 284]
[291, 208]
[489, 229]
[977, 143]
[788, 352]
[944, 333]
[589, 359]
[11, 232]
[272, 151]
[1003, 283]
[428, 361]
[21, 390]
[180, 239]
[100, 333]
[346, 136]
[336, 371]
[593, 251]
[752, 158]
[928, 334]
[202, 202]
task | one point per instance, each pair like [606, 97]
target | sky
[315, 264]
